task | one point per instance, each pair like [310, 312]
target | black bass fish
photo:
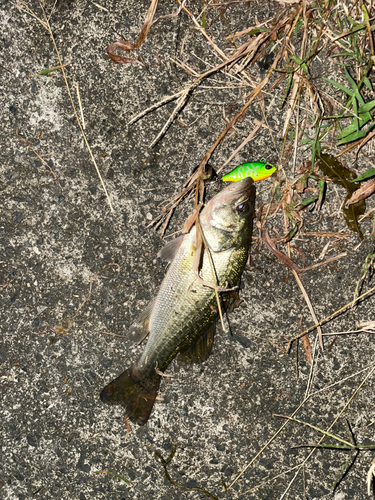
[182, 318]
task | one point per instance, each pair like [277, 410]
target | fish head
[226, 220]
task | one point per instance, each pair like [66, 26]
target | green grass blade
[367, 175]
[355, 110]
[256, 31]
[354, 87]
[299, 62]
[339, 86]
[113, 474]
[343, 54]
[353, 137]
[367, 82]
[366, 107]
[351, 129]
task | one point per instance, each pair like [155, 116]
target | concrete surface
[74, 276]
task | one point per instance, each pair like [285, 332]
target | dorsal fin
[200, 350]
[141, 327]
[168, 252]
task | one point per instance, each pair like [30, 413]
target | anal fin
[141, 328]
[200, 350]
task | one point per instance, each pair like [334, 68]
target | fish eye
[268, 167]
[242, 208]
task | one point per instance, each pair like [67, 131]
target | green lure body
[257, 170]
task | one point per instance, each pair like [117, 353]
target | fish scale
[187, 317]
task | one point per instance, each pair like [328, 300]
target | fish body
[182, 317]
[257, 170]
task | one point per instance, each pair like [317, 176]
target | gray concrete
[74, 276]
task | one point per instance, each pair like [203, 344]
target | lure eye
[268, 167]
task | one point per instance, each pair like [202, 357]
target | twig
[332, 259]
[156, 106]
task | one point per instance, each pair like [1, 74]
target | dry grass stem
[329, 428]
[212, 266]
[156, 106]
[332, 259]
[242, 145]
[80, 107]
[100, 7]
[327, 318]
[307, 398]
[180, 104]
[44, 162]
[366, 327]
[47, 26]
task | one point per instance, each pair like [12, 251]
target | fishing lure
[257, 170]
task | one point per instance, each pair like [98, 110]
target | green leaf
[356, 28]
[317, 146]
[339, 86]
[113, 474]
[297, 27]
[307, 201]
[322, 189]
[342, 176]
[366, 175]
[350, 80]
[47, 71]
[256, 31]
[343, 54]
[291, 233]
[355, 110]
[353, 137]
[300, 63]
[367, 82]
[50, 70]
[352, 21]
[287, 89]
[365, 13]
[352, 128]
[354, 87]
[366, 107]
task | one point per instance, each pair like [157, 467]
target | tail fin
[136, 395]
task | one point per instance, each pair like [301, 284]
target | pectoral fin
[168, 252]
[200, 350]
[141, 328]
